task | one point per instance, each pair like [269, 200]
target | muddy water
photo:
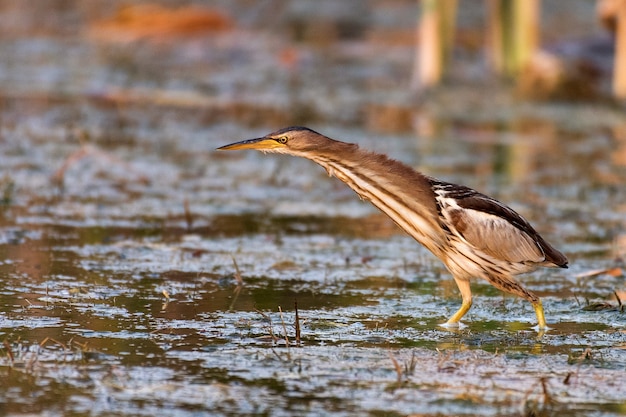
[144, 273]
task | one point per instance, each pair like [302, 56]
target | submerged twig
[603, 305]
[585, 356]
[239, 285]
[547, 398]
[188, 215]
[59, 176]
[443, 358]
[7, 346]
[277, 355]
[535, 407]
[409, 367]
[238, 277]
[45, 341]
[566, 380]
[619, 301]
[236, 293]
[271, 330]
[397, 367]
[167, 300]
[280, 310]
[295, 303]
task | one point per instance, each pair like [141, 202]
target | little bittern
[473, 234]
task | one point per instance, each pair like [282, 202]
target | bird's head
[296, 140]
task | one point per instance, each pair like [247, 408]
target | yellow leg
[510, 285]
[466, 293]
[454, 320]
[541, 319]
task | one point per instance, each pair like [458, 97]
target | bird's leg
[510, 285]
[541, 319]
[466, 294]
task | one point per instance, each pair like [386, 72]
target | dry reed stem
[397, 366]
[297, 323]
[280, 310]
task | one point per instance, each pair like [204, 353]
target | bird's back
[429, 210]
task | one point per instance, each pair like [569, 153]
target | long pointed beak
[258, 144]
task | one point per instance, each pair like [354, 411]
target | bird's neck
[396, 189]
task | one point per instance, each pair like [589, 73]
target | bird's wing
[495, 236]
[489, 225]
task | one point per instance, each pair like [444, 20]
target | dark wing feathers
[494, 236]
[518, 244]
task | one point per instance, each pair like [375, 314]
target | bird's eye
[282, 140]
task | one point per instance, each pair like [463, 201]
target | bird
[474, 235]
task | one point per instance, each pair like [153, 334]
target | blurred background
[355, 62]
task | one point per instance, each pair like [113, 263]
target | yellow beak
[258, 144]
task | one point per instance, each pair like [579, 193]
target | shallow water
[143, 272]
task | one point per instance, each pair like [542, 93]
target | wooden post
[435, 34]
[494, 36]
[512, 34]
[526, 38]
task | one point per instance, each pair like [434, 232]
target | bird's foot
[541, 329]
[453, 325]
